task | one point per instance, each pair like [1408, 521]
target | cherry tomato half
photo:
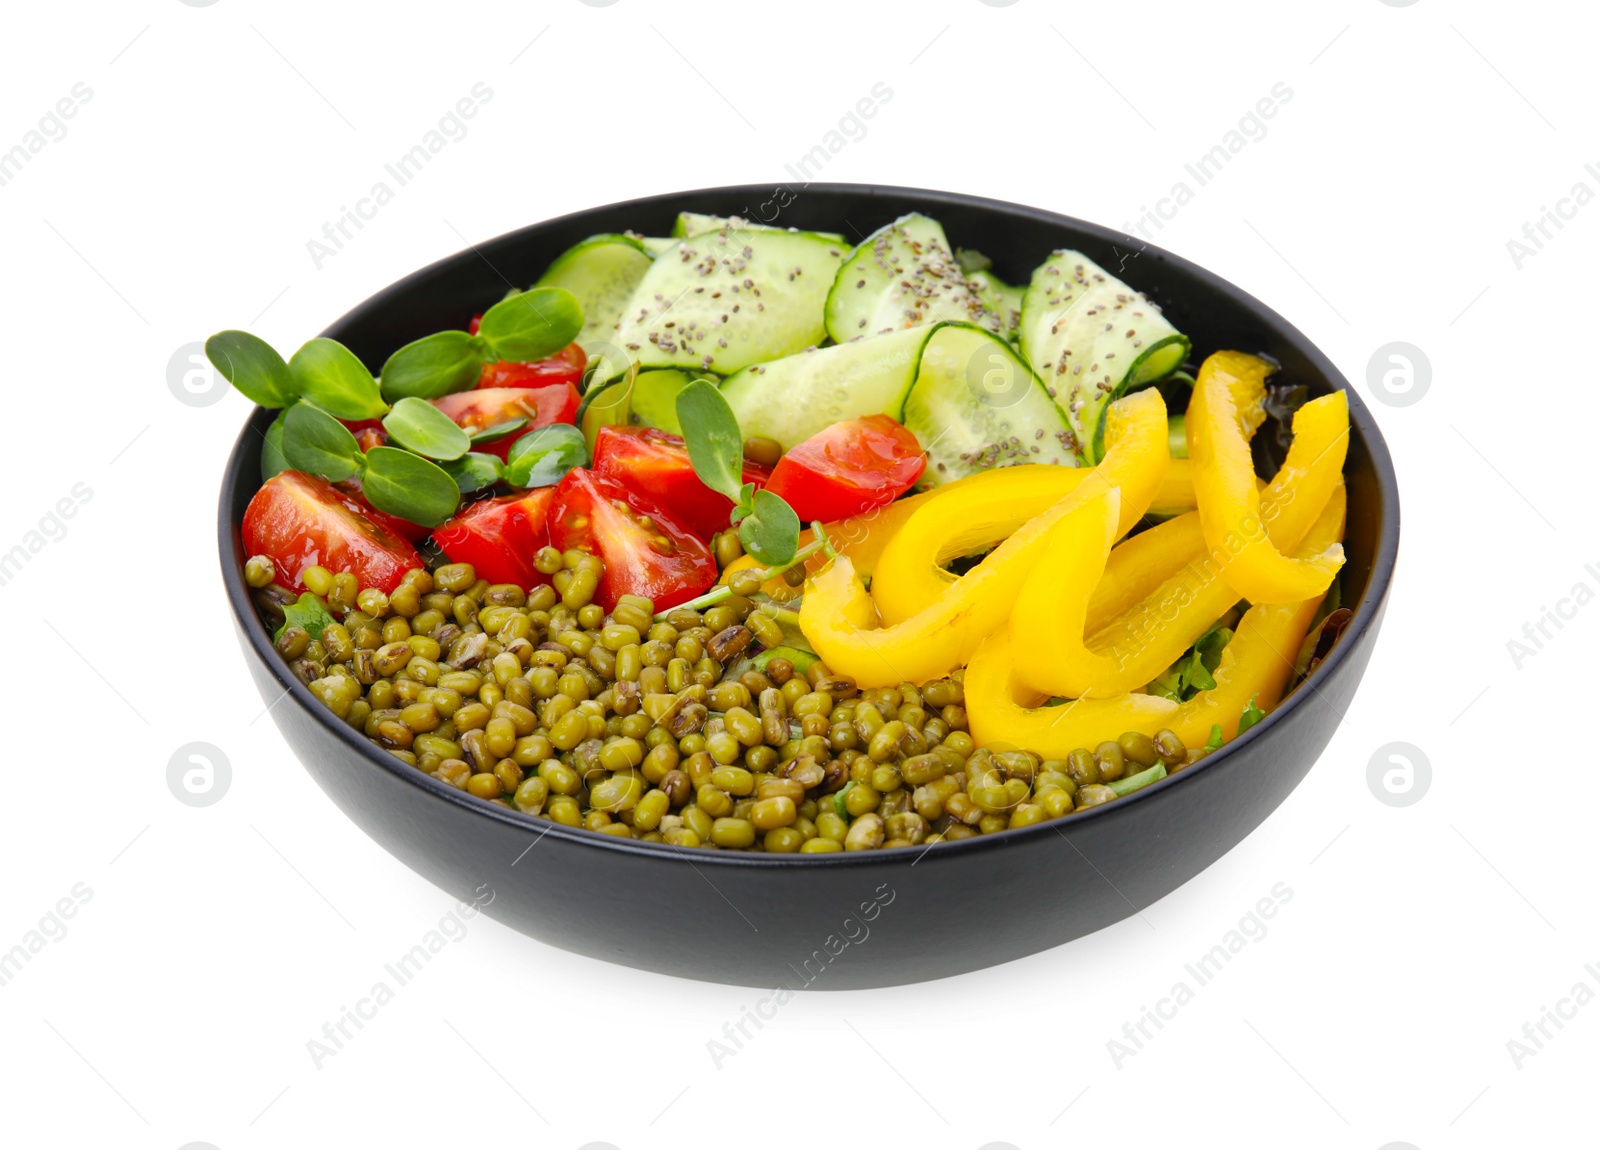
[646, 551]
[848, 468]
[369, 433]
[500, 537]
[300, 520]
[656, 464]
[565, 366]
[540, 406]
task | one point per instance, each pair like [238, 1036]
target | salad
[753, 538]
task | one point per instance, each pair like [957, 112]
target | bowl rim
[245, 455]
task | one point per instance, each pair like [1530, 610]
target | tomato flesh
[407, 530]
[540, 406]
[646, 550]
[656, 464]
[565, 366]
[500, 537]
[300, 520]
[850, 467]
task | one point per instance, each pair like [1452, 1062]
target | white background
[217, 941]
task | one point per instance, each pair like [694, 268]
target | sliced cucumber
[962, 390]
[793, 398]
[1092, 339]
[655, 245]
[902, 275]
[602, 272]
[976, 405]
[694, 224]
[1003, 299]
[655, 395]
[725, 300]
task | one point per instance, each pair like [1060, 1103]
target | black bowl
[862, 919]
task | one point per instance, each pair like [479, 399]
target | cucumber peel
[602, 272]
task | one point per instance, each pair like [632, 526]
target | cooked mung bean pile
[647, 728]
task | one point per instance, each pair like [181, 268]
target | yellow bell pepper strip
[1175, 496]
[839, 619]
[985, 508]
[1256, 664]
[1258, 661]
[1056, 650]
[1226, 494]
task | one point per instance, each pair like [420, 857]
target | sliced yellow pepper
[1256, 664]
[1055, 649]
[985, 508]
[1225, 490]
[1258, 661]
[839, 618]
[861, 538]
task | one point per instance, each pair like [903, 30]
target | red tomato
[656, 464]
[540, 406]
[477, 320]
[848, 468]
[369, 433]
[407, 530]
[500, 537]
[299, 520]
[565, 366]
[646, 551]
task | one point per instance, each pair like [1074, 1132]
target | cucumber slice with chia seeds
[1003, 299]
[1092, 339]
[963, 391]
[724, 300]
[903, 275]
[694, 224]
[602, 272]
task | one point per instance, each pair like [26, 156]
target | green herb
[1130, 783]
[532, 325]
[498, 431]
[435, 365]
[838, 801]
[315, 442]
[1251, 716]
[1192, 673]
[544, 455]
[409, 486]
[330, 376]
[770, 531]
[309, 613]
[474, 471]
[711, 434]
[1215, 741]
[253, 367]
[272, 460]
[418, 426]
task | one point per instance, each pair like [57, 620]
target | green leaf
[838, 801]
[308, 613]
[253, 367]
[544, 455]
[418, 425]
[1195, 674]
[315, 442]
[330, 376]
[434, 365]
[711, 433]
[1251, 716]
[474, 471]
[1210, 646]
[409, 486]
[800, 659]
[498, 431]
[1169, 684]
[1215, 741]
[771, 532]
[532, 325]
[272, 460]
